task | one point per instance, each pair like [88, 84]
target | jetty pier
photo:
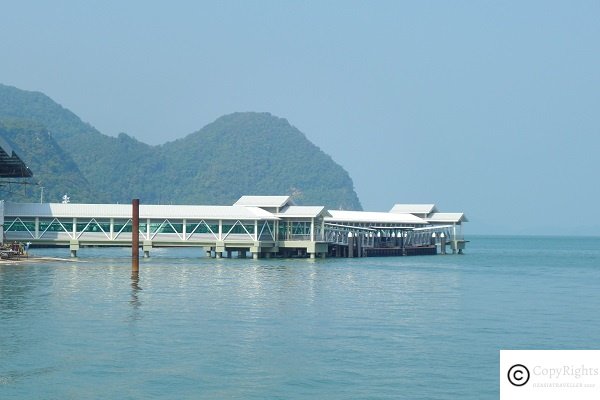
[262, 226]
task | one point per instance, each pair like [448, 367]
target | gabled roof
[11, 166]
[454, 218]
[60, 210]
[414, 208]
[264, 201]
[373, 217]
[303, 212]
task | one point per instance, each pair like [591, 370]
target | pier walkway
[264, 226]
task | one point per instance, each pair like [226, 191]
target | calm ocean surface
[427, 327]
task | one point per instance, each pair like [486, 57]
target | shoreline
[34, 259]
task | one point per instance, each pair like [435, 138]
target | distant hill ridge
[239, 153]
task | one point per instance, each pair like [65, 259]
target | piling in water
[135, 235]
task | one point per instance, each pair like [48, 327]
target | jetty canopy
[447, 218]
[416, 209]
[60, 210]
[264, 201]
[373, 218]
[11, 166]
[303, 212]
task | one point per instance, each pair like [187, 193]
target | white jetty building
[263, 226]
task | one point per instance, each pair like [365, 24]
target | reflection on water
[135, 298]
[361, 328]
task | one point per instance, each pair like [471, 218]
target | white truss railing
[98, 230]
[8, 229]
[202, 222]
[164, 223]
[238, 223]
[262, 230]
[85, 229]
[61, 225]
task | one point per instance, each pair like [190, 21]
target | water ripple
[191, 327]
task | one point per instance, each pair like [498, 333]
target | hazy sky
[486, 107]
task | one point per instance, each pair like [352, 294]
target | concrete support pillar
[256, 251]
[147, 246]
[312, 256]
[242, 253]
[219, 249]
[350, 245]
[73, 247]
[229, 253]
[443, 243]
[359, 246]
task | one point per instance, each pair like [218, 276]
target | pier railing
[119, 230]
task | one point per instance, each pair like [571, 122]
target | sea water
[190, 327]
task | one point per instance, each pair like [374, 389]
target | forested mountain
[102, 159]
[54, 169]
[240, 153]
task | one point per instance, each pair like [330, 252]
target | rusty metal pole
[135, 236]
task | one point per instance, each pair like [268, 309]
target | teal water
[426, 327]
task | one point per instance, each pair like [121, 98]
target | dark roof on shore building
[11, 166]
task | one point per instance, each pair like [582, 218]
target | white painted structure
[262, 225]
[1, 221]
[420, 210]
[430, 213]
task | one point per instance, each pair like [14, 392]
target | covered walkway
[265, 226]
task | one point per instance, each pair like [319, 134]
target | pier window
[93, 226]
[301, 229]
[295, 230]
[160, 227]
[123, 226]
[238, 228]
[56, 225]
[282, 230]
[19, 225]
[266, 231]
[178, 227]
[201, 227]
[166, 227]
